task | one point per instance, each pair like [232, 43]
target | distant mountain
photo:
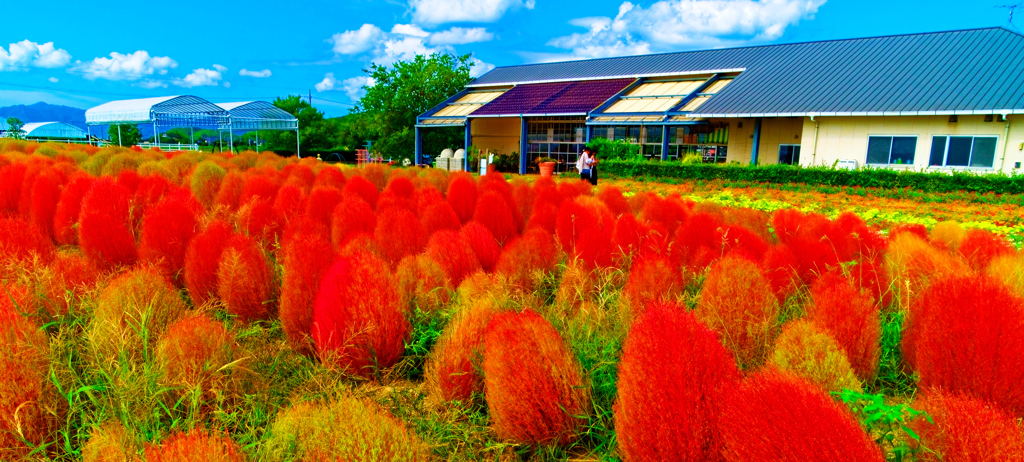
[43, 112]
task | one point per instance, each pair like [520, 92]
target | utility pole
[310, 97]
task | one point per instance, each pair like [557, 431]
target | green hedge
[865, 177]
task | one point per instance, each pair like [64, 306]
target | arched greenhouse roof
[57, 130]
[175, 111]
[259, 115]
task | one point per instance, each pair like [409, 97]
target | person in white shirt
[584, 163]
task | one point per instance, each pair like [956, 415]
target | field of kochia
[180, 307]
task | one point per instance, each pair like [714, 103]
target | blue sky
[63, 52]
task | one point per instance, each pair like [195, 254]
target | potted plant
[546, 165]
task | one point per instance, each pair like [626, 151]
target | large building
[936, 101]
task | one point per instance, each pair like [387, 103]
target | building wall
[499, 135]
[774, 132]
[846, 138]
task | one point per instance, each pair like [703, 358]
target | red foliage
[103, 225]
[963, 335]
[330, 177]
[195, 446]
[257, 186]
[780, 267]
[230, 192]
[779, 417]
[193, 349]
[698, 241]
[544, 216]
[166, 231]
[201, 260]
[20, 241]
[399, 234]
[454, 253]
[440, 216]
[980, 247]
[627, 235]
[494, 213]
[305, 260]
[584, 228]
[534, 387]
[45, 195]
[321, 203]
[916, 229]
[965, 429]
[302, 177]
[259, 220]
[453, 368]
[290, 202]
[737, 302]
[65, 216]
[23, 369]
[652, 279]
[359, 186]
[484, 246]
[520, 259]
[11, 178]
[670, 211]
[352, 217]
[71, 272]
[613, 198]
[870, 276]
[359, 324]
[244, 279]
[851, 316]
[671, 376]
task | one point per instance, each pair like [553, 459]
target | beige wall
[774, 131]
[846, 138]
[498, 135]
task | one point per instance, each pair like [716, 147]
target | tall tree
[15, 128]
[407, 89]
[316, 133]
[128, 135]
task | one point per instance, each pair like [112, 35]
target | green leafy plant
[887, 423]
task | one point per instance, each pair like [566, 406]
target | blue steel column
[588, 133]
[757, 142]
[664, 142]
[419, 146]
[469, 142]
[523, 158]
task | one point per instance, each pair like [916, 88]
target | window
[891, 150]
[560, 139]
[963, 151]
[789, 154]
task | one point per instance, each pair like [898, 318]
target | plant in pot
[546, 165]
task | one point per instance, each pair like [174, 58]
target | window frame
[892, 139]
[970, 157]
[797, 162]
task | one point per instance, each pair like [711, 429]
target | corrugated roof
[554, 98]
[965, 70]
[53, 130]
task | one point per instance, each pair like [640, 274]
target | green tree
[15, 128]
[127, 135]
[407, 89]
[316, 133]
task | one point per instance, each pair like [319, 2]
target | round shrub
[849, 315]
[534, 388]
[779, 417]
[965, 429]
[65, 216]
[359, 323]
[452, 251]
[45, 195]
[167, 229]
[110, 442]
[452, 371]
[484, 246]
[980, 247]
[494, 213]
[192, 350]
[305, 261]
[524, 260]
[195, 446]
[913, 264]
[964, 336]
[23, 372]
[584, 227]
[439, 216]
[808, 351]
[348, 429]
[1009, 269]
[358, 186]
[205, 182]
[422, 283]
[103, 227]
[671, 376]
[245, 282]
[20, 242]
[652, 279]
[738, 303]
[461, 195]
[353, 216]
[201, 260]
[399, 234]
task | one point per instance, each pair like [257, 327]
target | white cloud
[257, 74]
[53, 80]
[152, 84]
[409, 29]
[328, 83]
[356, 41]
[226, 84]
[200, 78]
[402, 49]
[433, 12]
[31, 54]
[220, 68]
[132, 66]
[668, 24]
[479, 67]
[353, 86]
[460, 36]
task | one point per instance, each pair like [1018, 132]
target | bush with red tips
[205, 182]
[110, 442]
[359, 186]
[671, 376]
[670, 211]
[259, 220]
[455, 255]
[584, 228]
[202, 258]
[627, 235]
[302, 177]
[67, 277]
[963, 336]
[353, 216]
[11, 178]
[103, 228]
[167, 229]
[652, 279]
[195, 446]
[524, 260]
[737, 302]
[851, 317]
[494, 213]
[870, 276]
[913, 264]
[192, 354]
[452, 371]
[399, 234]
[20, 242]
[861, 241]
[422, 283]
[916, 229]
[484, 246]
[439, 216]
[779, 265]
[534, 388]
[359, 323]
[23, 369]
[245, 281]
[65, 216]
[321, 203]
[305, 261]
[613, 198]
[698, 241]
[426, 196]
[524, 198]
[807, 350]
[979, 247]
[290, 202]
[965, 429]
[230, 192]
[331, 177]
[779, 417]
[45, 195]
[257, 186]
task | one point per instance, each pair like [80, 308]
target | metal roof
[164, 110]
[259, 115]
[972, 71]
[558, 98]
[53, 130]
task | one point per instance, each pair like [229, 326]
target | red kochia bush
[166, 231]
[20, 241]
[193, 350]
[453, 368]
[461, 196]
[522, 258]
[737, 302]
[45, 195]
[195, 446]
[651, 279]
[851, 316]
[534, 387]
[351, 217]
[483, 244]
[584, 227]
[494, 213]
[306, 259]
[964, 335]
[671, 377]
[399, 234]
[321, 203]
[980, 247]
[329, 176]
[359, 324]
[23, 368]
[359, 186]
[451, 250]
[780, 417]
[439, 216]
[103, 227]
[65, 217]
[965, 429]
[201, 260]
[244, 279]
